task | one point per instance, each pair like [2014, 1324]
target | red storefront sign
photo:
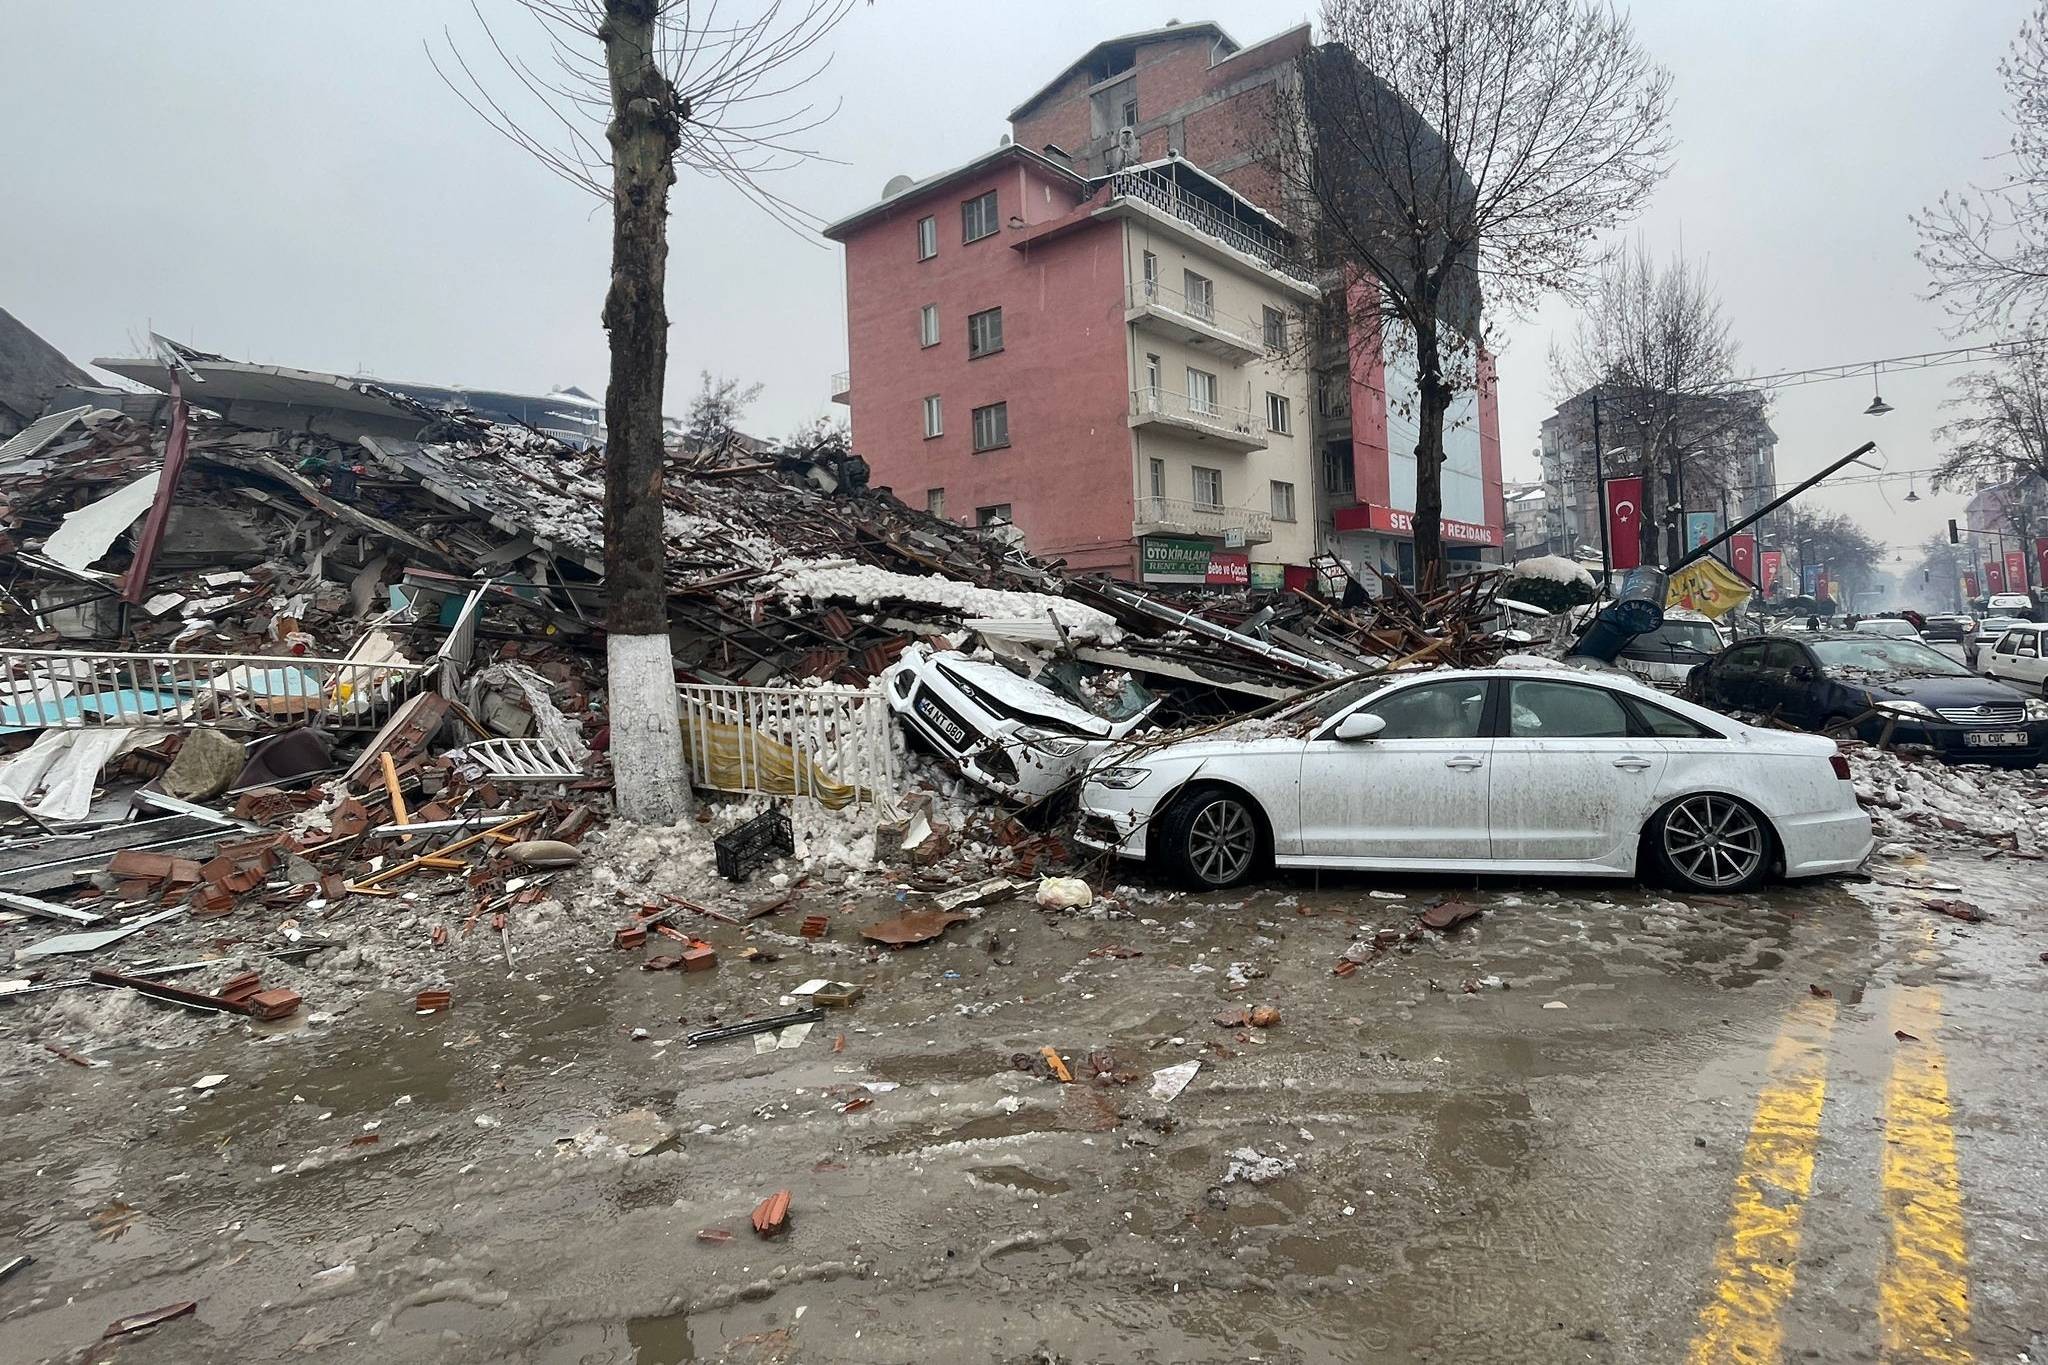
[1625, 523]
[1774, 564]
[1742, 556]
[2015, 570]
[1229, 570]
[1994, 576]
[1373, 517]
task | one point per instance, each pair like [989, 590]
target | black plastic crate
[752, 846]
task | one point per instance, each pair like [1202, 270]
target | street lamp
[1878, 407]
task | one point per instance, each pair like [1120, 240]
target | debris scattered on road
[771, 1216]
[1447, 915]
[913, 926]
[1265, 1016]
[1250, 1166]
[1064, 893]
[1169, 1081]
[155, 1317]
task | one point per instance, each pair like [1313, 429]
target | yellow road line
[1923, 1299]
[1757, 1261]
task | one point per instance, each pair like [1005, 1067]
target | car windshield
[1881, 657]
[1902, 629]
[1325, 705]
[1110, 693]
[1681, 637]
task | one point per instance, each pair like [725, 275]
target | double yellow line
[1923, 1295]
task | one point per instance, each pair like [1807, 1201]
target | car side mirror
[1360, 725]
[1802, 673]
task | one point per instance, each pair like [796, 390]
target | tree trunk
[646, 737]
[1428, 520]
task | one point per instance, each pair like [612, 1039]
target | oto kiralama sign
[1171, 559]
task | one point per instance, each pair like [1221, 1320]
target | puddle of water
[662, 1340]
[1018, 1178]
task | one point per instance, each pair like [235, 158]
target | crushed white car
[1501, 770]
[1021, 738]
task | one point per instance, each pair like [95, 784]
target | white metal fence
[77, 690]
[834, 745]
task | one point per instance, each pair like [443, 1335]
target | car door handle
[1464, 761]
[1634, 765]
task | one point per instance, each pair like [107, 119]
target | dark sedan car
[1826, 680]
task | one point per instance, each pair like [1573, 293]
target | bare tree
[1655, 348]
[1832, 540]
[711, 426]
[1986, 247]
[642, 87]
[2003, 430]
[1445, 149]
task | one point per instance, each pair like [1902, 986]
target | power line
[1927, 360]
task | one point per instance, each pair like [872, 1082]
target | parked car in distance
[1831, 682]
[2018, 658]
[1891, 627]
[1665, 656]
[1948, 626]
[1990, 630]
[1015, 736]
[1522, 771]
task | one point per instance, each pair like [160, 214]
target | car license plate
[1995, 739]
[945, 722]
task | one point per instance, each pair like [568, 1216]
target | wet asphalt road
[1668, 1131]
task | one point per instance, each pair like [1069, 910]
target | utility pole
[1600, 500]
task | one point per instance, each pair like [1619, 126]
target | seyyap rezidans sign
[1171, 559]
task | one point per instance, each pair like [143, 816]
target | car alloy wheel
[1222, 840]
[1713, 841]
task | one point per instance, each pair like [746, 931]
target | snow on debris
[844, 581]
[1553, 568]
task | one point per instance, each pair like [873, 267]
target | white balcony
[842, 387]
[1171, 313]
[1201, 419]
[1160, 191]
[1179, 517]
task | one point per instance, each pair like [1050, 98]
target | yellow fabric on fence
[770, 766]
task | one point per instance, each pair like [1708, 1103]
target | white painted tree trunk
[649, 783]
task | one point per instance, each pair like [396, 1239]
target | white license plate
[1995, 739]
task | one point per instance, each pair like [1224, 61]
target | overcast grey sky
[292, 183]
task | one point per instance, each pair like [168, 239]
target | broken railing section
[832, 745]
[74, 690]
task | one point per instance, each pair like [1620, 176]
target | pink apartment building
[1095, 333]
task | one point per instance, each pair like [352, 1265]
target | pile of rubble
[301, 667]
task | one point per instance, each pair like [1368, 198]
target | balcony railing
[1199, 313]
[1161, 193]
[842, 385]
[1179, 516]
[1233, 424]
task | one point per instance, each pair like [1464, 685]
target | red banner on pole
[1742, 556]
[1774, 564]
[1994, 576]
[1625, 522]
[1820, 582]
[2015, 570]
[2041, 560]
[1970, 585]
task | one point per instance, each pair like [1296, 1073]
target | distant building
[1739, 478]
[1098, 334]
[1530, 524]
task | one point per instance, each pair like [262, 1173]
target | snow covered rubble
[1925, 800]
[845, 581]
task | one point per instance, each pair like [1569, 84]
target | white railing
[1161, 193]
[1200, 310]
[1204, 519]
[53, 689]
[834, 745]
[1208, 414]
[842, 382]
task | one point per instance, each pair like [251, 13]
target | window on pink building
[984, 332]
[927, 238]
[992, 426]
[978, 217]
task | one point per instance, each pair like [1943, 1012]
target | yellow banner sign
[1708, 587]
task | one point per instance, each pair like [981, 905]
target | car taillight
[1840, 763]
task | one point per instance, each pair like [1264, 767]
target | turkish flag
[2015, 570]
[1742, 556]
[1994, 576]
[1625, 522]
[1774, 565]
[1969, 585]
[1820, 582]
[2041, 561]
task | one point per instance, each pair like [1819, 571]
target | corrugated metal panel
[37, 434]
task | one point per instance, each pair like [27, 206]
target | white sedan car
[1488, 770]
